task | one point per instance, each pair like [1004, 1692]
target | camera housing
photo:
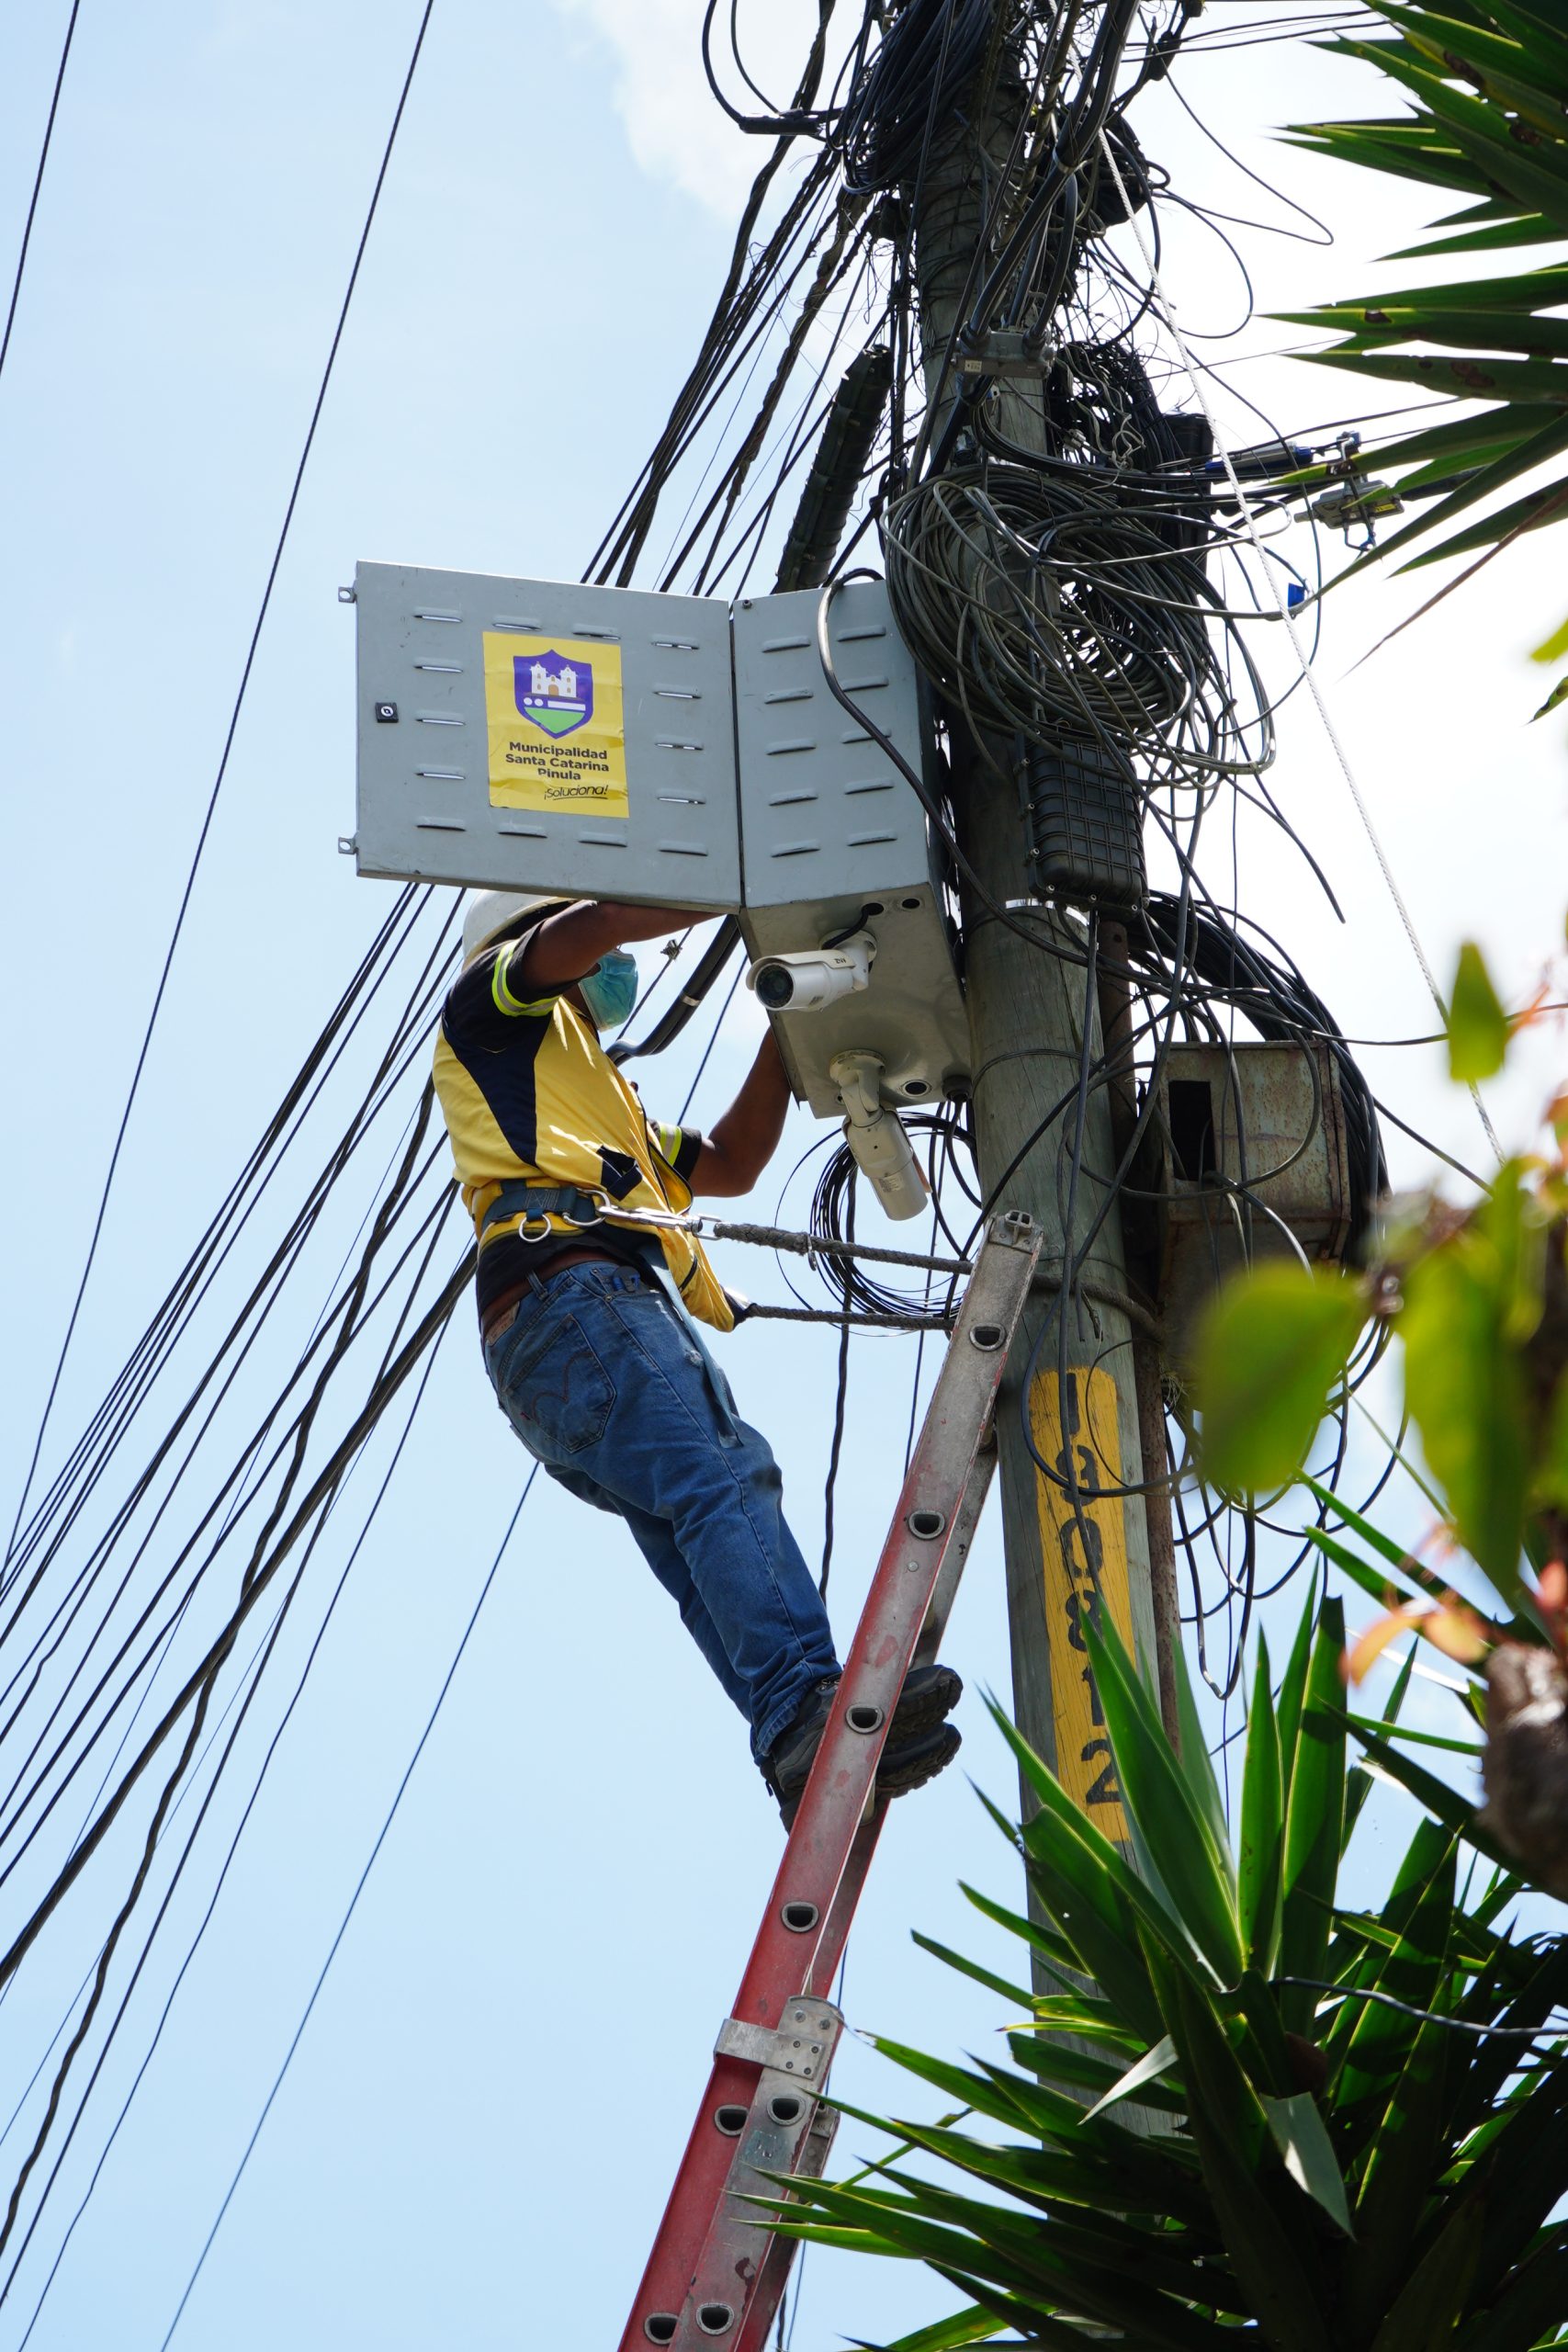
[875, 1136]
[806, 982]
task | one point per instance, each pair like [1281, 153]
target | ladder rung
[717, 2273]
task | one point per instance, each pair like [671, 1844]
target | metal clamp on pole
[802, 2044]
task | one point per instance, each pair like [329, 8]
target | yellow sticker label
[1083, 1538]
[557, 734]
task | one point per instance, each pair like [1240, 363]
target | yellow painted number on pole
[1083, 1539]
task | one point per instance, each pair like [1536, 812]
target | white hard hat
[489, 912]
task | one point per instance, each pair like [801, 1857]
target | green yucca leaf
[1089, 1891]
[1493, 237]
[1493, 2062]
[1359, 1780]
[1429, 2311]
[1313, 1821]
[1486, 208]
[1236, 2211]
[1377, 1583]
[1066, 2263]
[1298, 2133]
[1112, 2167]
[1538, 449]
[975, 2325]
[1406, 1565]
[1524, 332]
[1104, 1949]
[1489, 83]
[1499, 60]
[1056, 2063]
[1409, 151]
[1103, 2259]
[1415, 1970]
[1445, 1804]
[1231, 2128]
[1530, 23]
[1396, 2178]
[1537, 175]
[1171, 1822]
[1263, 2047]
[1526, 290]
[1530, 2309]
[1463, 380]
[1197, 1765]
[955, 1960]
[1049, 2174]
[1034, 2108]
[1057, 1955]
[1521, 2190]
[1261, 1857]
[1149, 2068]
[885, 2224]
[1537, 507]
[1292, 1691]
[1093, 2018]
[1471, 1748]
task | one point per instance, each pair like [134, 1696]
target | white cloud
[675, 127]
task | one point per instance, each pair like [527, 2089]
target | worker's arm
[565, 947]
[738, 1147]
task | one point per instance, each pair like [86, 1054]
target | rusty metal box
[1257, 1167]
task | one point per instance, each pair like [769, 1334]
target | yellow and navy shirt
[530, 1097]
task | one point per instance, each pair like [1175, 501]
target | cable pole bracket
[802, 2045]
[1008, 351]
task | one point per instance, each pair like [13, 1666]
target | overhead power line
[359, 1887]
[231, 731]
[37, 184]
[1140, 625]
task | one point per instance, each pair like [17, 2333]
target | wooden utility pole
[1072, 1544]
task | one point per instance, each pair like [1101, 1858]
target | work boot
[919, 1741]
[915, 1761]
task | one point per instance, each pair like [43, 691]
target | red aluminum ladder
[717, 2274]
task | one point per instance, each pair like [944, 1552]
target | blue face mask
[610, 989]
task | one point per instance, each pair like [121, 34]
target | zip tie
[1288, 617]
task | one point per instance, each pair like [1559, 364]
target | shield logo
[551, 692]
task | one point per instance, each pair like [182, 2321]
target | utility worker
[600, 1372]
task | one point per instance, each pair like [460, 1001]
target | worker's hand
[566, 946]
[739, 1147]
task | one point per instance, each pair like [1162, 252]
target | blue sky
[474, 2139]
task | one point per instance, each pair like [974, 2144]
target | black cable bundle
[1042, 607]
[914, 80]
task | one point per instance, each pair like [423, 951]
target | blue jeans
[607, 1388]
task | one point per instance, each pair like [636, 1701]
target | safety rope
[773, 1236]
[854, 1316]
[812, 1245]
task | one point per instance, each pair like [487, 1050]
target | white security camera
[881, 1150]
[806, 983]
